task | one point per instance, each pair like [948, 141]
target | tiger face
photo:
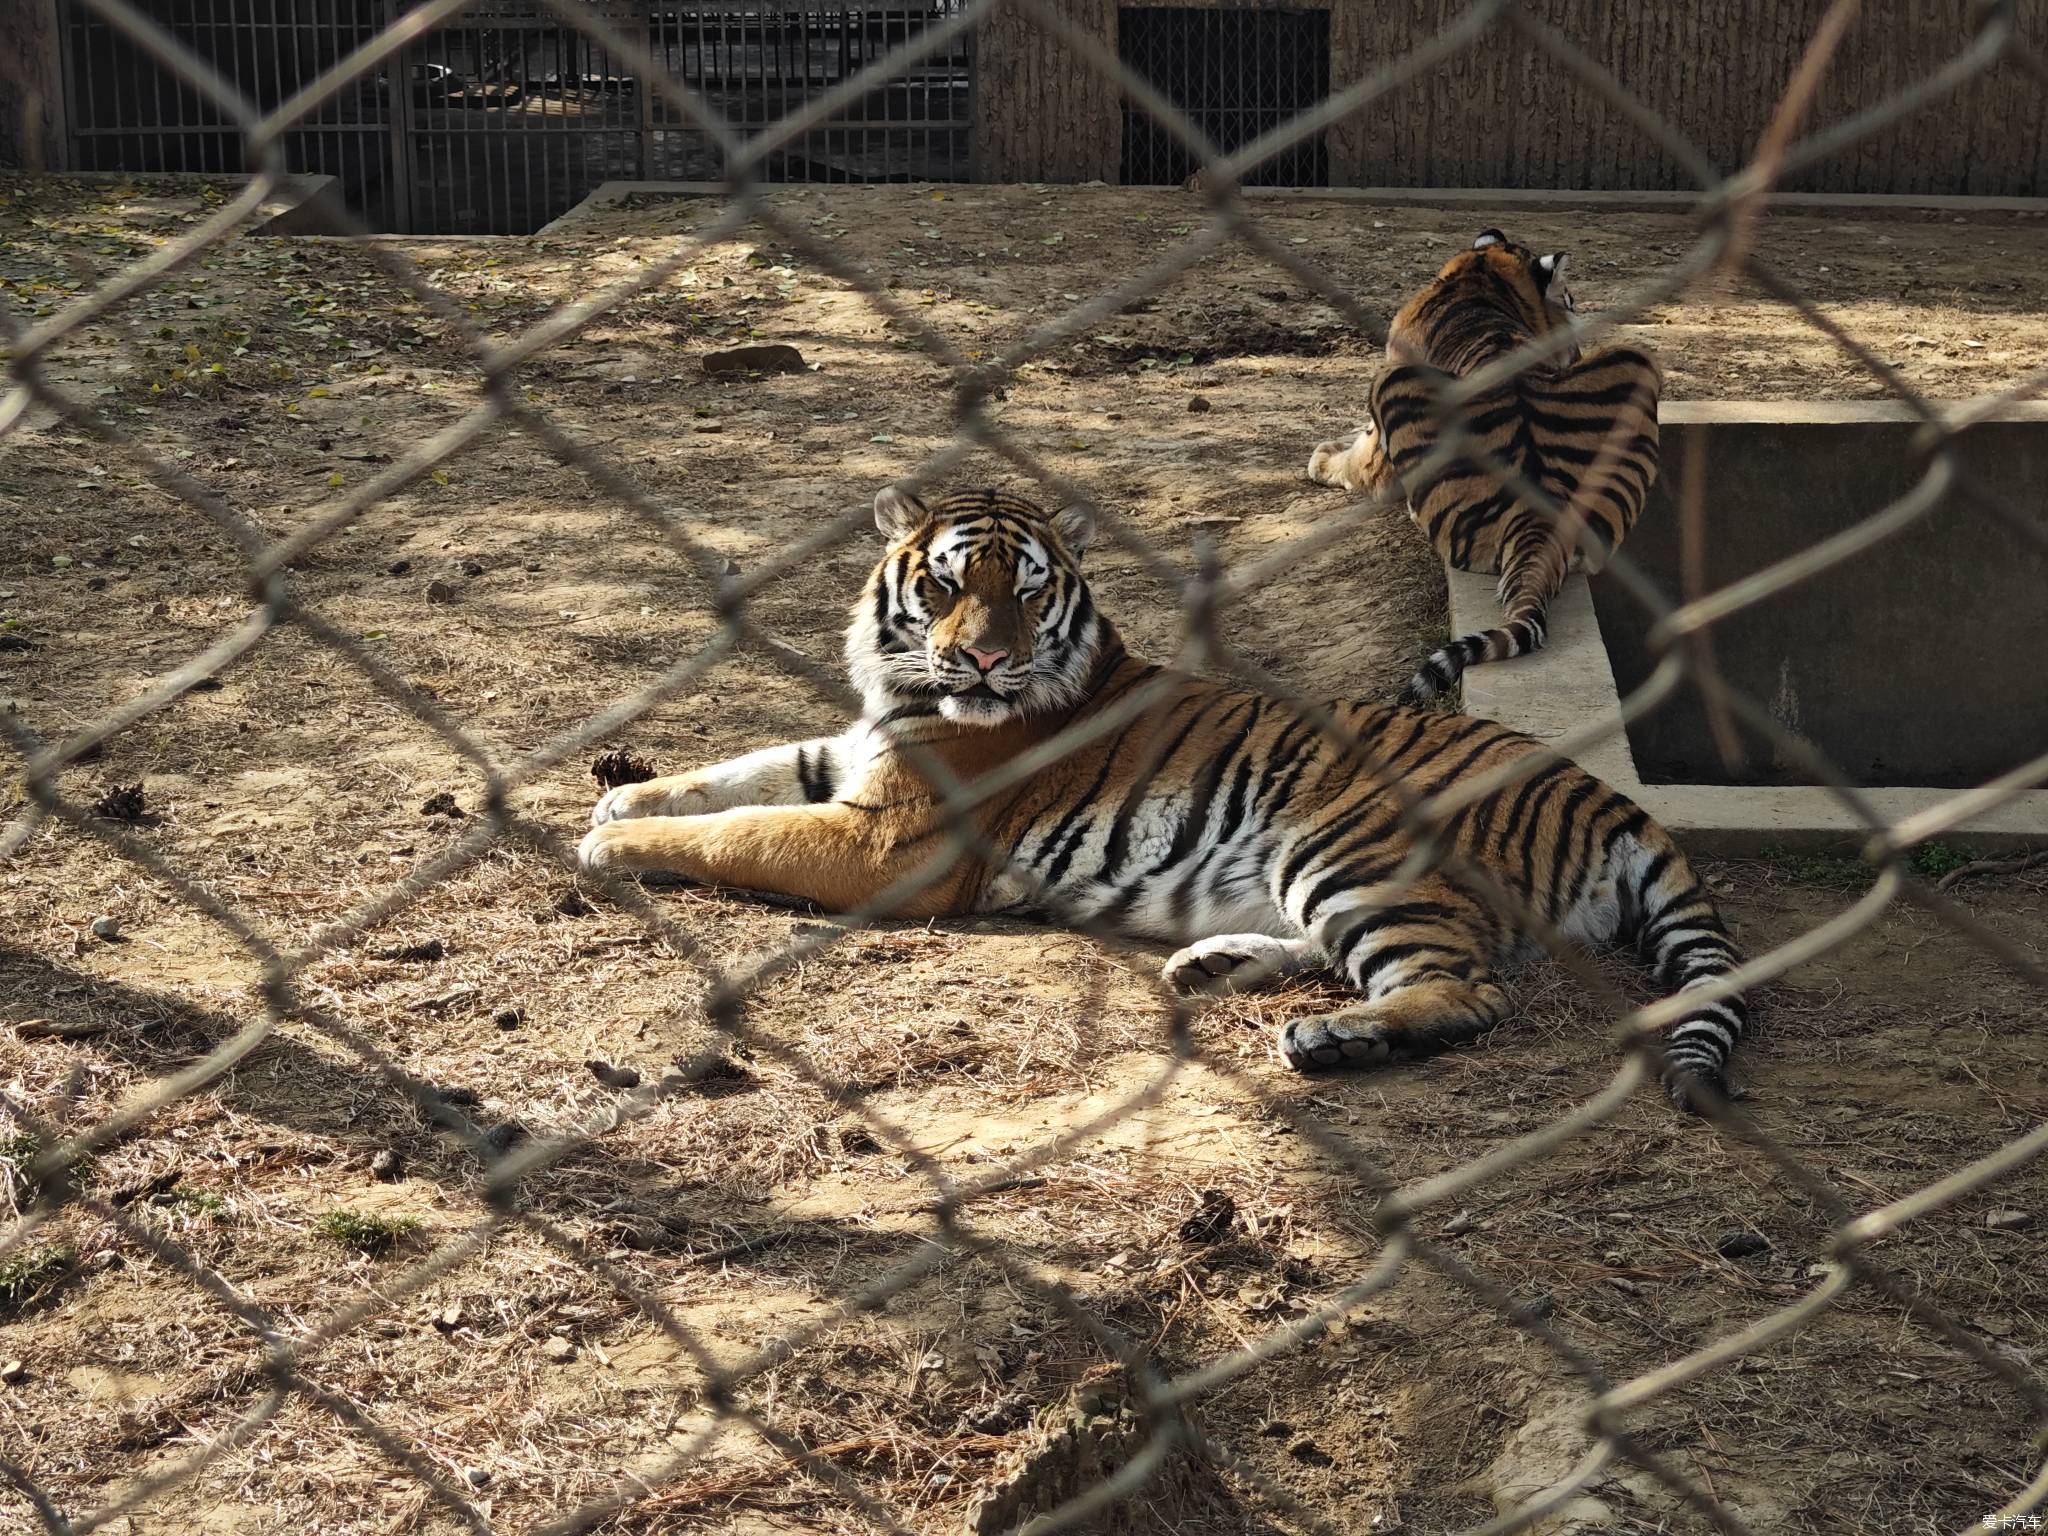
[979, 606]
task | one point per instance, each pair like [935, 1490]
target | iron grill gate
[506, 117]
[126, 113]
[1235, 72]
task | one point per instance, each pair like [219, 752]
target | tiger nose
[986, 660]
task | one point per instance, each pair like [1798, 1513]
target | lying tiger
[1217, 818]
[1584, 430]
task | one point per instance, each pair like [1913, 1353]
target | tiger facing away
[1583, 429]
[1218, 819]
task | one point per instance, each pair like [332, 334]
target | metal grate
[506, 117]
[128, 113]
[756, 65]
[1236, 74]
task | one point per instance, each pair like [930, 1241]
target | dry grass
[771, 1193]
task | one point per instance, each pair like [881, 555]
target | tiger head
[1534, 285]
[978, 605]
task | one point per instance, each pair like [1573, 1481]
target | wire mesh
[55, 1174]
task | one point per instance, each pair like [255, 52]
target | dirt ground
[517, 595]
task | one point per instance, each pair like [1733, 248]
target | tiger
[1582, 428]
[1214, 818]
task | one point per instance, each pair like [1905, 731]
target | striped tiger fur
[1216, 819]
[1583, 429]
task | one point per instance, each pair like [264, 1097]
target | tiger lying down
[1217, 819]
[1582, 429]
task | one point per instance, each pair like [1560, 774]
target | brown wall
[31, 86]
[1505, 114]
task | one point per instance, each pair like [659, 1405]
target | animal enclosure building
[506, 115]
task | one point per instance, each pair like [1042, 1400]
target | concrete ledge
[1844, 205]
[300, 205]
[1569, 684]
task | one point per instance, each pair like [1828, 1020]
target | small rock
[1276, 1429]
[430, 949]
[472, 567]
[771, 357]
[439, 591]
[13, 1371]
[558, 1349]
[1197, 404]
[477, 1477]
[120, 802]
[857, 1141]
[1460, 1224]
[999, 1417]
[2009, 1220]
[107, 928]
[1307, 1450]
[441, 803]
[717, 1079]
[620, 766]
[387, 1166]
[398, 567]
[1211, 1219]
[509, 1018]
[1741, 1245]
[502, 1138]
[611, 1076]
[708, 424]
[461, 1098]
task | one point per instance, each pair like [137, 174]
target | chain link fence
[1726, 210]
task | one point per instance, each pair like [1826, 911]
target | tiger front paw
[1321, 1043]
[1326, 466]
[677, 796]
[600, 846]
[1231, 962]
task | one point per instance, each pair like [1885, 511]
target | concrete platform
[301, 203]
[1572, 682]
[1840, 205]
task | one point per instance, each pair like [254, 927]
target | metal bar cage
[831, 78]
[502, 117]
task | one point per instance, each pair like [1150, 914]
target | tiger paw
[656, 797]
[1230, 962]
[1320, 1044]
[600, 846]
[1326, 464]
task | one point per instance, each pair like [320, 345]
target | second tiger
[1582, 430]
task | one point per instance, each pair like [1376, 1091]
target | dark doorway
[1237, 72]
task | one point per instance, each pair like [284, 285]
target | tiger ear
[1489, 237]
[898, 513]
[1547, 268]
[1076, 527]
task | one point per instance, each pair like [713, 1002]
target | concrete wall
[1916, 662]
[1504, 114]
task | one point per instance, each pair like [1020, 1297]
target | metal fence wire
[1726, 209]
